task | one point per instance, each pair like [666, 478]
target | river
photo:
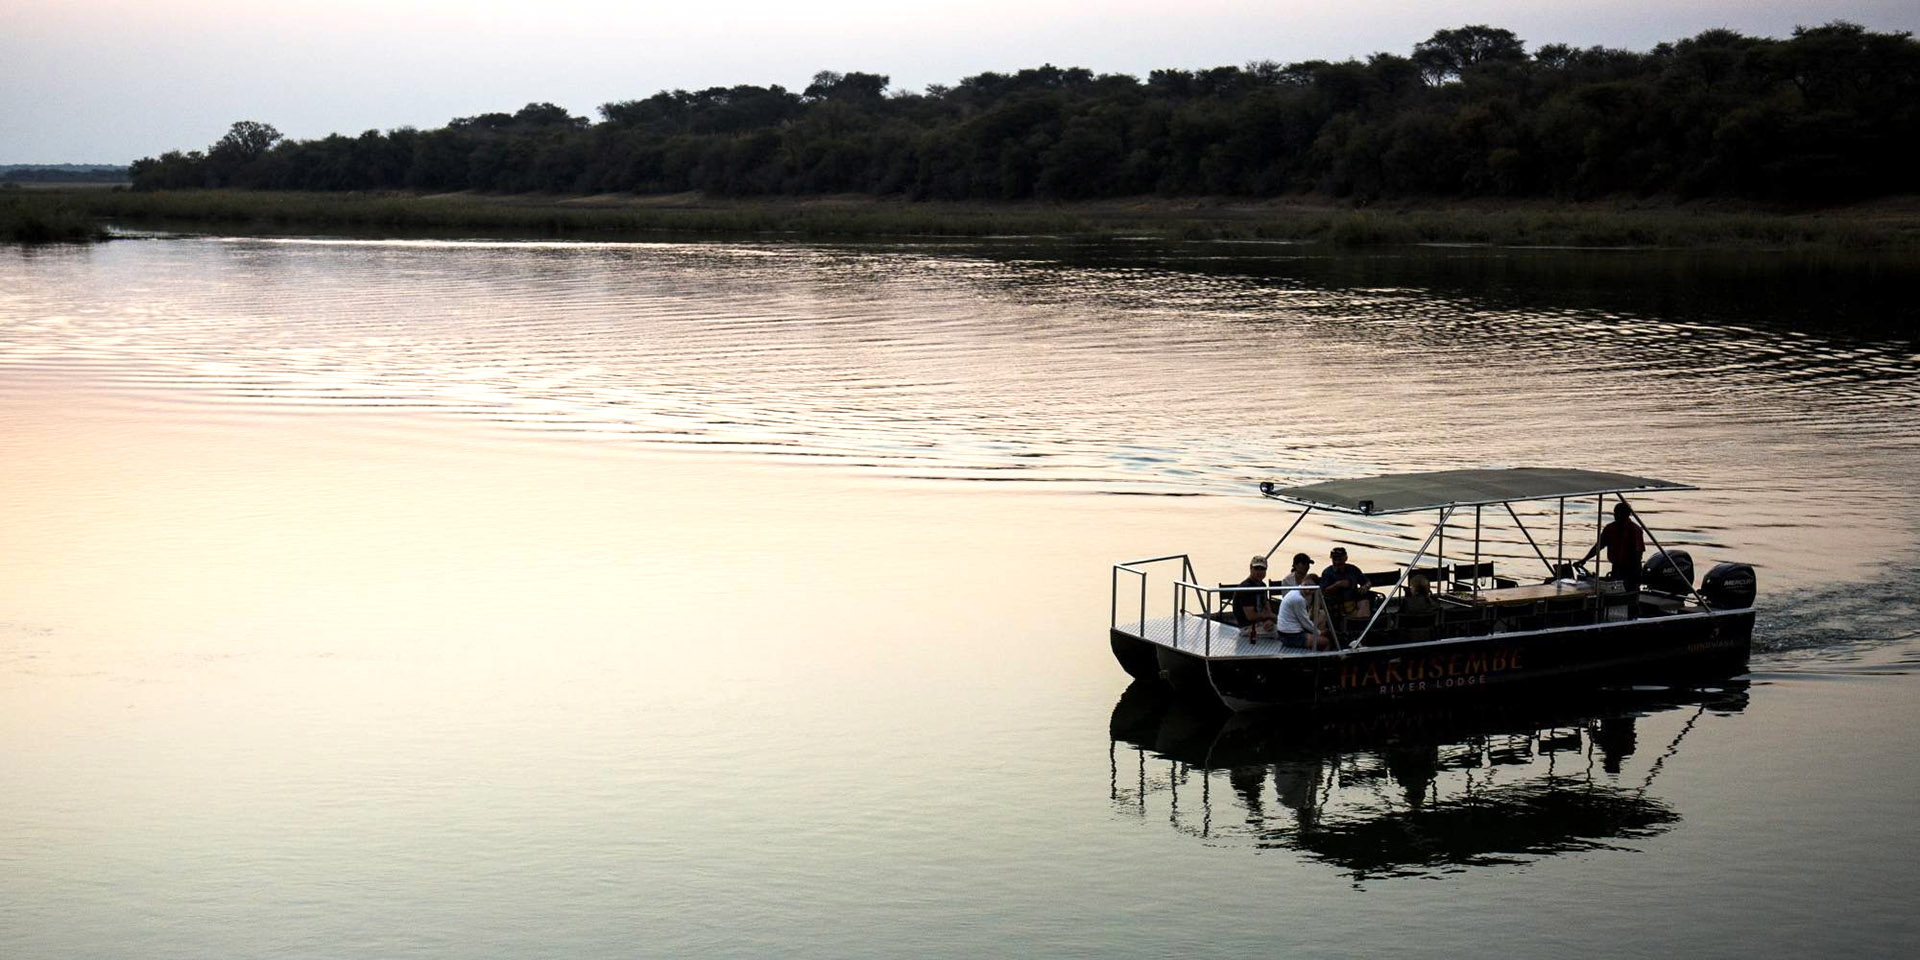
[432, 598]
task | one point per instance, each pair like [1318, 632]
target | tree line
[63, 173]
[1827, 114]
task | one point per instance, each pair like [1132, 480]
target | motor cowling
[1730, 586]
[1669, 571]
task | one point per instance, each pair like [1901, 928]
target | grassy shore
[1888, 224]
[45, 217]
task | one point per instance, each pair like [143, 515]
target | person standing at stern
[1624, 544]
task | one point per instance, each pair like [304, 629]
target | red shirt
[1623, 542]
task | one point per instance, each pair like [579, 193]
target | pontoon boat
[1489, 628]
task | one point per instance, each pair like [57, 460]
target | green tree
[857, 87]
[1831, 113]
[1449, 53]
[246, 141]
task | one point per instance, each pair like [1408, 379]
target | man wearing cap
[1253, 608]
[1343, 583]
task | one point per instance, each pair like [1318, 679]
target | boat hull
[1136, 656]
[1652, 650]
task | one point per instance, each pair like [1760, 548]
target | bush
[29, 218]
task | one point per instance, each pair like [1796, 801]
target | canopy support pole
[1289, 533]
[1402, 584]
[1476, 552]
[1560, 544]
[1529, 536]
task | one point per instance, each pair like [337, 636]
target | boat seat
[1458, 620]
[1227, 596]
[1405, 628]
[1570, 611]
[1466, 574]
[1435, 575]
[1530, 617]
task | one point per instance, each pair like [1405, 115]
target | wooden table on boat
[1527, 594]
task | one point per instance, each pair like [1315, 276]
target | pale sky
[107, 81]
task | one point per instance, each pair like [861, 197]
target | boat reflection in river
[1406, 792]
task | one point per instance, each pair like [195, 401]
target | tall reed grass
[35, 217]
[841, 217]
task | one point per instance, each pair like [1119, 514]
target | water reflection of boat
[1480, 629]
[1415, 790]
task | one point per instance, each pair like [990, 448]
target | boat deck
[1189, 634]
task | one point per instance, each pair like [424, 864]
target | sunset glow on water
[492, 599]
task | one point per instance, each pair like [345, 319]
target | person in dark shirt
[1253, 609]
[1624, 544]
[1343, 584]
[1419, 599]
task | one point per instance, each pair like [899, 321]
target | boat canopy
[1408, 492]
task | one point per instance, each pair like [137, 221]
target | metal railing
[1133, 567]
[1210, 596]
[1189, 598]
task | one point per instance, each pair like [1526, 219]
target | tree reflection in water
[1407, 791]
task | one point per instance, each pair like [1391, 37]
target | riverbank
[45, 217]
[1887, 224]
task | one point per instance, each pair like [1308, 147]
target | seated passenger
[1253, 609]
[1297, 626]
[1302, 569]
[1419, 598]
[1346, 588]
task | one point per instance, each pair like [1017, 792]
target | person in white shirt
[1294, 623]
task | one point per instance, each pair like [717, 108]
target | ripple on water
[957, 365]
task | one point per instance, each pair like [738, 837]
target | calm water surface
[502, 599]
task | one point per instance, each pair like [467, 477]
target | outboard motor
[1729, 586]
[1669, 571]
